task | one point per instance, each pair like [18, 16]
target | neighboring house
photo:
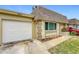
[40, 24]
[48, 23]
[74, 23]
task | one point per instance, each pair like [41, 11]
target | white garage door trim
[16, 31]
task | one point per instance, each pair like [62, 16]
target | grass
[70, 46]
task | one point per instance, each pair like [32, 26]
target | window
[50, 26]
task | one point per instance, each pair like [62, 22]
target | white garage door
[15, 31]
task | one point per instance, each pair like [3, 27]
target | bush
[64, 30]
[73, 33]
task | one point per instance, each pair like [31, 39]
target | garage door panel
[14, 31]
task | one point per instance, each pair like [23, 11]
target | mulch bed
[50, 38]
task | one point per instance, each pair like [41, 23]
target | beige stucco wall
[58, 27]
[41, 33]
[12, 18]
[34, 34]
[49, 32]
[43, 29]
[61, 25]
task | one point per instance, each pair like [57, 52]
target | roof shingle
[74, 21]
[48, 15]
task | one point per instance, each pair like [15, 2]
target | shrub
[73, 33]
[64, 30]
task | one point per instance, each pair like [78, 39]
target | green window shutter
[46, 25]
[55, 26]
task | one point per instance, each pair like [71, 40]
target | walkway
[54, 42]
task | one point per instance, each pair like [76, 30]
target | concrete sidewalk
[54, 42]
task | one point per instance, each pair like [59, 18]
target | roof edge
[4, 11]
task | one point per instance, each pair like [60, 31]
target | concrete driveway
[34, 47]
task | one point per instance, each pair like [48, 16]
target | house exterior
[74, 23]
[48, 23]
[15, 26]
[40, 24]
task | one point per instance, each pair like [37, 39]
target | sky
[70, 11]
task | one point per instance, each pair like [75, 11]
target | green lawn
[70, 46]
